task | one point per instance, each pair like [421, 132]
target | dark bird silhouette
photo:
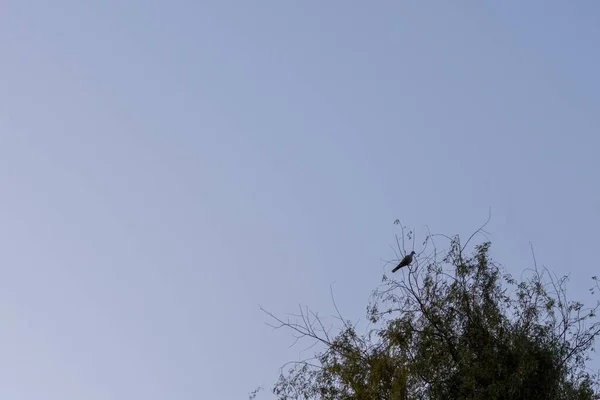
[405, 261]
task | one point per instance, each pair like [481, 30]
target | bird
[405, 261]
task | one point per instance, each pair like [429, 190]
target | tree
[453, 326]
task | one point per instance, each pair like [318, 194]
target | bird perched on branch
[405, 261]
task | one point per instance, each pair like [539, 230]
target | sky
[167, 167]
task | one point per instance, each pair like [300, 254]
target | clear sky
[166, 167]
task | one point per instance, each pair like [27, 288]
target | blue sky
[166, 167]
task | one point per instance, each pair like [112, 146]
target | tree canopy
[452, 326]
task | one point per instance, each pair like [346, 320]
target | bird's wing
[405, 261]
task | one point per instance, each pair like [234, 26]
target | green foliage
[455, 328]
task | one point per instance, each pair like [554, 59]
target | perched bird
[405, 261]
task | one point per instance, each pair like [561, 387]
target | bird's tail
[396, 269]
